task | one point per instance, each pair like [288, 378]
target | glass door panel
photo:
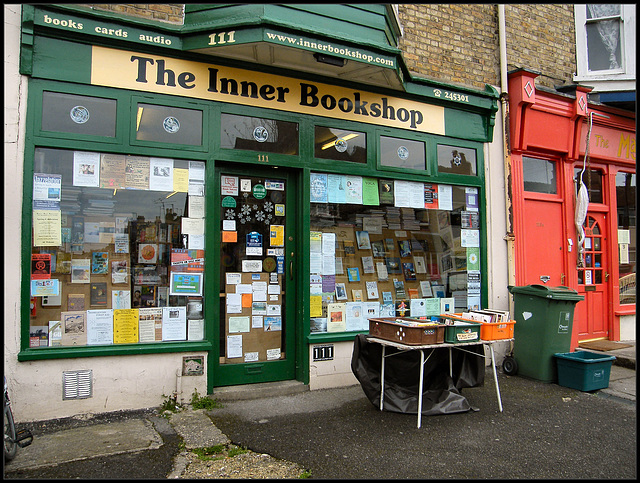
[253, 325]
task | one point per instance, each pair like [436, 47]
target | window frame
[620, 308]
[37, 88]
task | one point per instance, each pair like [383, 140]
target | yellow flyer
[315, 306]
[180, 180]
[125, 326]
[276, 235]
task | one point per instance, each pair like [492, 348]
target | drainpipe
[179, 397]
[504, 98]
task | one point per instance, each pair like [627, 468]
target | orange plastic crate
[497, 330]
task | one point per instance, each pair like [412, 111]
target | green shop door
[257, 323]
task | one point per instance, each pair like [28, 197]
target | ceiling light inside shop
[139, 118]
[344, 138]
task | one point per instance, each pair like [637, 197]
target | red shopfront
[549, 132]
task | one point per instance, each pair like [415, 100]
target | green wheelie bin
[544, 321]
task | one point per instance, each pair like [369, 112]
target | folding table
[460, 346]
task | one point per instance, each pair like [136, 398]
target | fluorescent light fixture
[345, 138]
[139, 118]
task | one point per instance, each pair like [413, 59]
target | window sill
[120, 350]
[626, 310]
[324, 337]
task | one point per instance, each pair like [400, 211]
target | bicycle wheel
[10, 445]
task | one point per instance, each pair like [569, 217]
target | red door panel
[543, 241]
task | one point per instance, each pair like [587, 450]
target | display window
[626, 203]
[117, 249]
[385, 248]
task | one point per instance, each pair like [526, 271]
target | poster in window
[100, 262]
[99, 326]
[185, 284]
[40, 266]
[160, 174]
[86, 169]
[47, 230]
[46, 191]
[174, 323]
[336, 320]
[147, 253]
[229, 185]
[112, 167]
[125, 326]
[74, 328]
[136, 172]
[318, 184]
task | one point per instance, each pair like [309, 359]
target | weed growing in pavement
[236, 450]
[203, 402]
[210, 452]
[170, 404]
[305, 474]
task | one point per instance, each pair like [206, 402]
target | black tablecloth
[441, 393]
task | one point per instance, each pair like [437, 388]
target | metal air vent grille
[77, 384]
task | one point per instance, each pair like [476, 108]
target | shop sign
[165, 75]
[72, 23]
[610, 143]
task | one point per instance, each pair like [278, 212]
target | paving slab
[87, 442]
[197, 430]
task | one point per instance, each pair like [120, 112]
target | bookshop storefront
[190, 223]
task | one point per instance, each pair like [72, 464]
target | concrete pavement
[545, 431]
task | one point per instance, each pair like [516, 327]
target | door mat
[603, 345]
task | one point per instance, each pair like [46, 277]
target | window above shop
[402, 153]
[340, 144]
[606, 48]
[456, 160]
[258, 134]
[167, 124]
[69, 113]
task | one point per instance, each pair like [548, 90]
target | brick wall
[165, 12]
[459, 43]
[541, 37]
[455, 43]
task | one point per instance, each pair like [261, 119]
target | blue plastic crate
[584, 370]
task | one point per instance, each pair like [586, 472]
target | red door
[591, 317]
[543, 241]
